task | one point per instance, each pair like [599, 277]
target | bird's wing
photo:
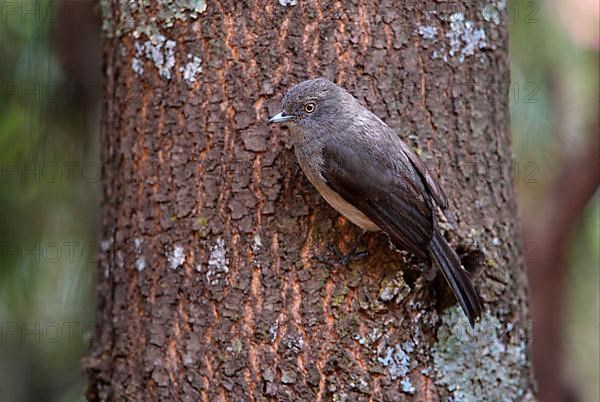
[434, 189]
[385, 187]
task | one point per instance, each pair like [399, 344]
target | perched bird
[364, 170]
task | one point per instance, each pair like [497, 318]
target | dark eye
[310, 107]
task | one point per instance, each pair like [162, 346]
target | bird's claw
[341, 260]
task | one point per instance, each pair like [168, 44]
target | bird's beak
[280, 118]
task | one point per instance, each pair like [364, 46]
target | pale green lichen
[218, 264]
[139, 17]
[235, 348]
[359, 384]
[192, 68]
[287, 3]
[407, 386]
[140, 262]
[340, 397]
[492, 11]
[256, 243]
[394, 288]
[160, 51]
[177, 257]
[463, 38]
[201, 221]
[485, 363]
[397, 360]
[428, 32]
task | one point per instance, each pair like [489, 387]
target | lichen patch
[160, 51]
[218, 264]
[177, 257]
[485, 363]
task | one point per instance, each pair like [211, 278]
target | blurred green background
[49, 197]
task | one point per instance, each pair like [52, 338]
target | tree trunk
[208, 288]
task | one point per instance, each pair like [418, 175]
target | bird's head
[311, 103]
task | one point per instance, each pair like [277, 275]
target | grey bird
[364, 170]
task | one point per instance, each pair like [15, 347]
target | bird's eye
[310, 107]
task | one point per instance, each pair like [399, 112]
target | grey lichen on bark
[139, 17]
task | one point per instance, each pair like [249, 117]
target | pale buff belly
[343, 207]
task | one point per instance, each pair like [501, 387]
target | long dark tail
[456, 276]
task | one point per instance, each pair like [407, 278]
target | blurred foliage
[557, 101]
[555, 124]
[583, 313]
[49, 202]
[40, 293]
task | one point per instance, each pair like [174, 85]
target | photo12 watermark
[491, 170]
[48, 12]
[26, 332]
[52, 252]
[50, 91]
[52, 172]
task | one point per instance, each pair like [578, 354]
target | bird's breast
[342, 206]
[346, 209]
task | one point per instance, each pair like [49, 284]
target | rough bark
[207, 285]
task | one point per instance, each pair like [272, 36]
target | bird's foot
[343, 260]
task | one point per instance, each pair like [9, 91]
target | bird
[364, 170]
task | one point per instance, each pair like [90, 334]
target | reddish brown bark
[208, 289]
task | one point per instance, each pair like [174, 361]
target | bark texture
[207, 285]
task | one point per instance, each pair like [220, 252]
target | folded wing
[386, 188]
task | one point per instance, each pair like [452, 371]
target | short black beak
[280, 118]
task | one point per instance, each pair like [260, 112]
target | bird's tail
[456, 276]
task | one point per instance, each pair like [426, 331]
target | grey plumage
[364, 170]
